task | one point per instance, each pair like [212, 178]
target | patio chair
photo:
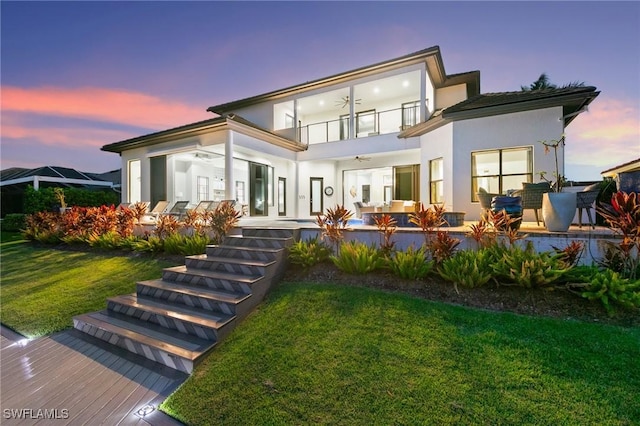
[202, 206]
[485, 199]
[531, 194]
[178, 209]
[585, 200]
[156, 211]
[358, 205]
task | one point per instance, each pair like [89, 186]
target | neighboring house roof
[572, 99]
[431, 56]
[630, 166]
[64, 175]
[232, 121]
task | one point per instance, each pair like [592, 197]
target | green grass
[42, 289]
[325, 354]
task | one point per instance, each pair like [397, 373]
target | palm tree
[543, 82]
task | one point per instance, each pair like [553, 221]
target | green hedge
[14, 222]
[44, 198]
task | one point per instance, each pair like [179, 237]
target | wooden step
[211, 279]
[258, 242]
[229, 264]
[256, 253]
[173, 349]
[197, 297]
[193, 321]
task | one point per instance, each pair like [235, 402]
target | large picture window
[436, 186]
[500, 170]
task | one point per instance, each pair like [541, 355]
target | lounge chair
[178, 209]
[156, 211]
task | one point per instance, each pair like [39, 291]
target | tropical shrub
[110, 240]
[185, 245]
[623, 215]
[428, 219]
[387, 226]
[410, 264]
[571, 254]
[43, 227]
[355, 257]
[468, 268]
[527, 268]
[443, 247]
[222, 220]
[612, 289]
[309, 252]
[333, 224]
[152, 244]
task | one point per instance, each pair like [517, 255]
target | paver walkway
[67, 378]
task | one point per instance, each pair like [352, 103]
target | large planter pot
[558, 210]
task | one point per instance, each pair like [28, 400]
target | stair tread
[215, 274]
[228, 247]
[179, 344]
[252, 237]
[234, 260]
[198, 316]
[216, 294]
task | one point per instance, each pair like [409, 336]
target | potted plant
[59, 194]
[558, 208]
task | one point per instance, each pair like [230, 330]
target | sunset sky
[78, 75]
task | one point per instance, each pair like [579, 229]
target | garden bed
[557, 303]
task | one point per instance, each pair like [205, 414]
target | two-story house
[401, 129]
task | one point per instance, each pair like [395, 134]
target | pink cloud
[107, 105]
[607, 135]
[60, 136]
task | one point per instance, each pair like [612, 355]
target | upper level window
[500, 170]
[436, 185]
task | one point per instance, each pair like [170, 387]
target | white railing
[384, 122]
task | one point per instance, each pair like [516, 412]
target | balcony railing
[368, 123]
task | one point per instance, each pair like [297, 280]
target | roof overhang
[631, 166]
[229, 122]
[430, 56]
[573, 103]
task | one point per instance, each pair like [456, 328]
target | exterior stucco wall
[307, 170]
[448, 96]
[503, 131]
[437, 144]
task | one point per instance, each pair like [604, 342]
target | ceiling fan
[344, 101]
[361, 158]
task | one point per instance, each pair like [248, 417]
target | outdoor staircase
[179, 318]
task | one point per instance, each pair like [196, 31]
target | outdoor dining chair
[585, 200]
[531, 194]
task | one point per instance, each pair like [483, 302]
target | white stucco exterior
[379, 125]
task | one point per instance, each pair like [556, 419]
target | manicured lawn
[42, 289]
[325, 354]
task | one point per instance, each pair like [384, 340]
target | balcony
[367, 123]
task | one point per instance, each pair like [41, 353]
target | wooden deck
[67, 378]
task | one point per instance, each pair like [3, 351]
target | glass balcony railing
[368, 123]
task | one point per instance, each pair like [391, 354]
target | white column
[228, 167]
[423, 93]
[36, 183]
[352, 113]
